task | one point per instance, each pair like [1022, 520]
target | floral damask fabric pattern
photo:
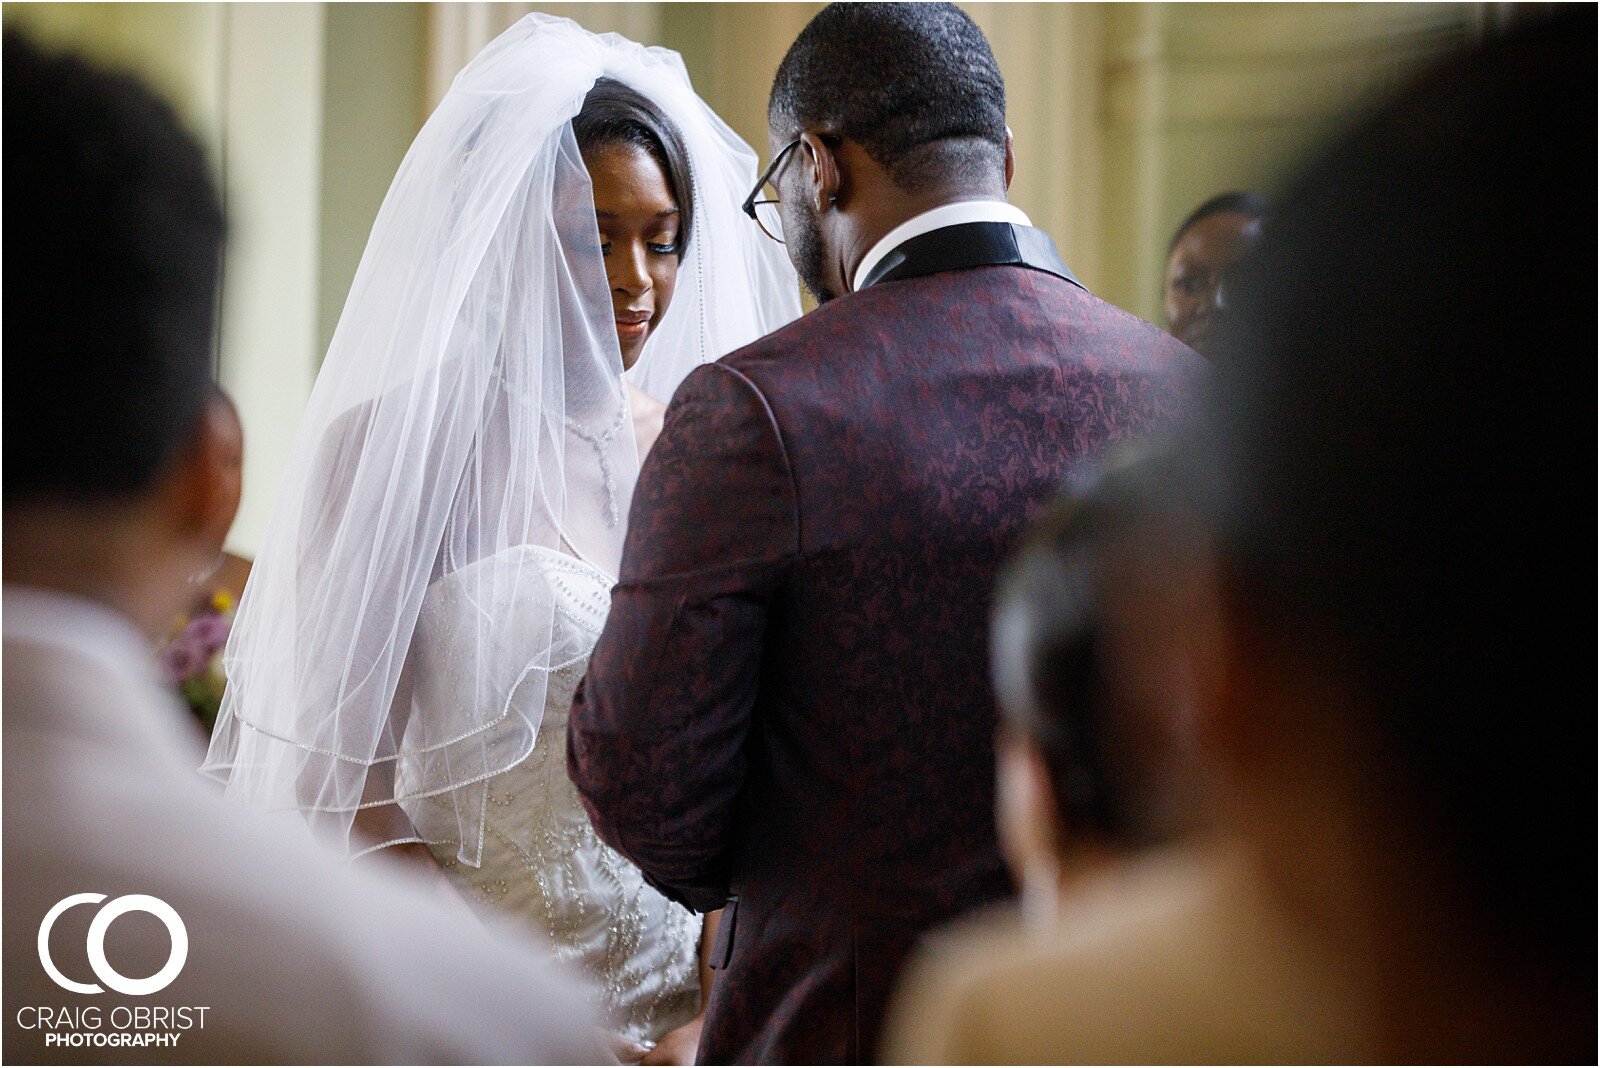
[790, 701]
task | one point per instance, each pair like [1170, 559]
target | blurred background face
[231, 435]
[639, 236]
[1194, 293]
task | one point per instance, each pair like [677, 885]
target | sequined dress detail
[543, 862]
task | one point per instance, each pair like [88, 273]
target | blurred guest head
[116, 453]
[232, 433]
[1094, 675]
[1209, 244]
[229, 431]
[1397, 729]
[881, 111]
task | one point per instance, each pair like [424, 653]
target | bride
[560, 247]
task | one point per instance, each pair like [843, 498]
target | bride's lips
[633, 324]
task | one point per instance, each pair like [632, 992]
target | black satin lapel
[983, 244]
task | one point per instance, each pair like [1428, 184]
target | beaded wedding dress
[540, 858]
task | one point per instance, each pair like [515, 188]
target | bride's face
[639, 235]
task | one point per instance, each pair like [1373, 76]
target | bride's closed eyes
[662, 246]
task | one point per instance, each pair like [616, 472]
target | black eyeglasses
[765, 210]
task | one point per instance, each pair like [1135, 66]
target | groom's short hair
[112, 244]
[916, 85]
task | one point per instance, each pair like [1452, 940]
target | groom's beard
[803, 238]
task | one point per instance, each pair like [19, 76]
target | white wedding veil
[469, 421]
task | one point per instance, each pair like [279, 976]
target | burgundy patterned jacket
[790, 702]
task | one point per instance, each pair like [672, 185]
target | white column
[272, 140]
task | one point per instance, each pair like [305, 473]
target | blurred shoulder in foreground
[1171, 958]
[1384, 713]
[121, 481]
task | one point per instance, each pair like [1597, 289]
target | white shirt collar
[957, 214]
[76, 624]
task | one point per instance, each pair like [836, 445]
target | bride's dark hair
[613, 114]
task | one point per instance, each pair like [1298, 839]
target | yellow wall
[1125, 116]
[373, 106]
[176, 47]
[1201, 98]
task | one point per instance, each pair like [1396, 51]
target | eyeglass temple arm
[749, 205]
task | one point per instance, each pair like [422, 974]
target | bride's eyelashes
[667, 247]
[658, 249]
[665, 242]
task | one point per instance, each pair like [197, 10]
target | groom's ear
[1011, 158]
[822, 175]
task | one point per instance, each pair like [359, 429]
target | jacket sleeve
[656, 741]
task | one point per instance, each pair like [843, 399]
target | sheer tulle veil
[469, 423]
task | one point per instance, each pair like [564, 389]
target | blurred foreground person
[1392, 726]
[176, 926]
[1096, 662]
[1212, 242]
[1094, 676]
[1386, 719]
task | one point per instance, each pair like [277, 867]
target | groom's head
[897, 108]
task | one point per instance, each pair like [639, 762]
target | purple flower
[209, 632]
[182, 660]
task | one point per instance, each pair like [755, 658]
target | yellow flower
[223, 601]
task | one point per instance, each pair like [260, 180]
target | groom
[789, 711]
